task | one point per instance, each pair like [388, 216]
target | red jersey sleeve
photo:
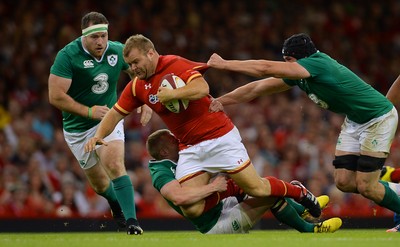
[127, 102]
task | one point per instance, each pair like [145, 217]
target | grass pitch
[268, 238]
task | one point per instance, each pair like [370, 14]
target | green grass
[267, 238]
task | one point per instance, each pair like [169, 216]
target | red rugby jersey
[191, 126]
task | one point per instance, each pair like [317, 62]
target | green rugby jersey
[94, 82]
[163, 172]
[336, 88]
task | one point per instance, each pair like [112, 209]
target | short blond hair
[139, 42]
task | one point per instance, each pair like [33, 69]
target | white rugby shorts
[223, 154]
[374, 136]
[76, 142]
[233, 219]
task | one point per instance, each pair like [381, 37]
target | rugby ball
[172, 81]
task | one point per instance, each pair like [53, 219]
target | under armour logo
[147, 86]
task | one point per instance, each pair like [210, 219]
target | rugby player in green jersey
[370, 118]
[229, 215]
[83, 85]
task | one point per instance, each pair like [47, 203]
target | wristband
[90, 112]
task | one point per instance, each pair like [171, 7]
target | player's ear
[150, 53]
[164, 152]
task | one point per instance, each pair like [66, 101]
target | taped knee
[370, 164]
[348, 162]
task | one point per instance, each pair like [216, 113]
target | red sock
[215, 198]
[395, 176]
[280, 188]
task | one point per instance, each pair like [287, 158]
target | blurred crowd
[286, 134]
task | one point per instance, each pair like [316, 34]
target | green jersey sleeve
[162, 172]
[336, 88]
[62, 65]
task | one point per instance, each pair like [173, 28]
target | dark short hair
[298, 46]
[93, 18]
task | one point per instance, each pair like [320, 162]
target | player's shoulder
[160, 164]
[72, 48]
[115, 47]
[319, 56]
[183, 62]
[168, 58]
[115, 44]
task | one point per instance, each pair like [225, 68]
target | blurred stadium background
[286, 135]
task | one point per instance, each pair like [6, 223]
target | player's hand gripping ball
[172, 82]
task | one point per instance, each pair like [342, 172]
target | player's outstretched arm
[260, 67]
[250, 91]
[106, 126]
[254, 68]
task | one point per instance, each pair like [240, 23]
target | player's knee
[344, 187]
[345, 169]
[99, 189]
[100, 185]
[367, 189]
[367, 164]
[344, 183]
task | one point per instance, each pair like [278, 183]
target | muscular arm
[58, 97]
[253, 90]
[108, 123]
[195, 89]
[181, 196]
[394, 92]
[260, 68]
[106, 126]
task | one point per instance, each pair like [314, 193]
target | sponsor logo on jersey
[101, 85]
[147, 86]
[235, 225]
[88, 64]
[318, 101]
[153, 99]
[112, 59]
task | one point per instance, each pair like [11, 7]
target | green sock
[124, 191]
[111, 198]
[289, 216]
[297, 206]
[391, 200]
